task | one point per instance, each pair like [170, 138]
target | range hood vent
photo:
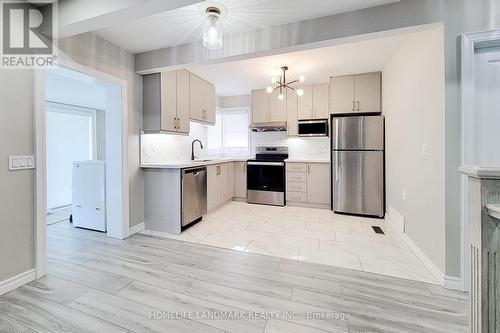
[271, 126]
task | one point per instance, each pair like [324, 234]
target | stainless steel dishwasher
[194, 194]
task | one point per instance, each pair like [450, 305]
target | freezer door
[358, 182]
[358, 133]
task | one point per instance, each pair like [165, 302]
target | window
[230, 135]
[71, 136]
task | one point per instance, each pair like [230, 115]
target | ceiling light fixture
[212, 29]
[283, 85]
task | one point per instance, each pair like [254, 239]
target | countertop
[480, 172]
[306, 160]
[195, 163]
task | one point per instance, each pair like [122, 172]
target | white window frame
[232, 151]
[78, 110]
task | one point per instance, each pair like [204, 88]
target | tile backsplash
[165, 148]
[298, 147]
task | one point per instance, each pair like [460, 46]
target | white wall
[413, 103]
[63, 89]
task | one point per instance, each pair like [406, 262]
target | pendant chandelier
[213, 36]
[282, 85]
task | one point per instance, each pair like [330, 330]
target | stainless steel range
[266, 176]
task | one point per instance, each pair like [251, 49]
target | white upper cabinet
[314, 104]
[182, 94]
[321, 101]
[277, 107]
[356, 93]
[166, 102]
[291, 113]
[368, 92]
[201, 100]
[267, 107]
[260, 105]
[305, 103]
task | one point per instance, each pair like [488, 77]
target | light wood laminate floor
[147, 284]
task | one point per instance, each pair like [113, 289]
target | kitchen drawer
[296, 176]
[296, 167]
[296, 186]
[296, 196]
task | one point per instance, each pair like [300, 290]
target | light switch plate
[24, 162]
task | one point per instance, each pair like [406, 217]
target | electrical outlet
[21, 162]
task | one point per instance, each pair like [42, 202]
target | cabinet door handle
[308, 169]
[352, 105]
[358, 106]
[175, 122]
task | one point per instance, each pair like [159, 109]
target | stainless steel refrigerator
[358, 165]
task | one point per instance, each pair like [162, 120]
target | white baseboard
[136, 228]
[17, 281]
[394, 218]
[453, 283]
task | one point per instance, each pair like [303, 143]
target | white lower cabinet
[240, 180]
[308, 183]
[220, 184]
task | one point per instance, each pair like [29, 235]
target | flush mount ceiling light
[283, 85]
[213, 36]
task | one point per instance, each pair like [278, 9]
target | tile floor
[310, 235]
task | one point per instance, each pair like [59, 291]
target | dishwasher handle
[194, 171]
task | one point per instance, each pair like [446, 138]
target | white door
[260, 105]
[277, 107]
[321, 103]
[342, 94]
[305, 104]
[240, 179]
[212, 186]
[291, 113]
[318, 183]
[183, 101]
[367, 89]
[168, 103]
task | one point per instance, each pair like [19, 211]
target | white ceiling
[184, 25]
[317, 65]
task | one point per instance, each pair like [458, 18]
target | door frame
[469, 43]
[122, 231]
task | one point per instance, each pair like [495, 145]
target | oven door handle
[267, 163]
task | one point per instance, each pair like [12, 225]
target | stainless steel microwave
[313, 127]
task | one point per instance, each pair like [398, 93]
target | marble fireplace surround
[483, 244]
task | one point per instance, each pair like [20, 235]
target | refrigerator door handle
[336, 133]
[337, 178]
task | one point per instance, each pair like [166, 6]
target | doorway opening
[81, 143]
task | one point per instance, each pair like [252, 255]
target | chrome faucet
[192, 148]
